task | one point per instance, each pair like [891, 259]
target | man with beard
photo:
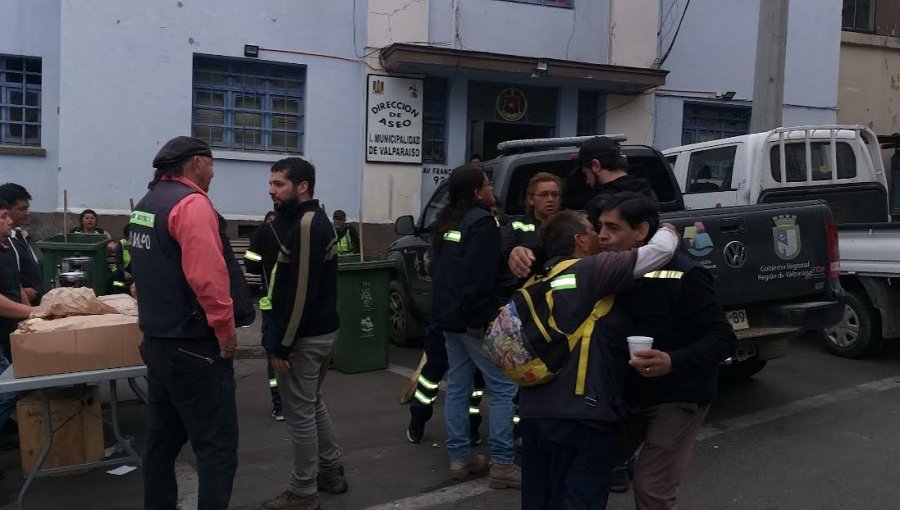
[303, 327]
[605, 170]
[18, 199]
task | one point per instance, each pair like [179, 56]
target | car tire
[741, 370]
[858, 335]
[405, 330]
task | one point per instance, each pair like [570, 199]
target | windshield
[438, 201]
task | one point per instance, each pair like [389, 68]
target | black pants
[192, 397]
[566, 464]
[273, 382]
[421, 407]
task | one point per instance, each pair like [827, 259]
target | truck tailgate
[759, 253]
[870, 249]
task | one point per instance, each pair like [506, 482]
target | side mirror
[405, 225]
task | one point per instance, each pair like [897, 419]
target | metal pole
[771, 46]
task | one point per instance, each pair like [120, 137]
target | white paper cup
[639, 343]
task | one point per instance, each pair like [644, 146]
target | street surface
[811, 431]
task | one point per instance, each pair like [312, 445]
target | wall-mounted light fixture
[727, 96]
[251, 51]
[540, 69]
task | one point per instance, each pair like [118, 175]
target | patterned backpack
[524, 340]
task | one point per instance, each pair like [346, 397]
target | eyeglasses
[546, 194]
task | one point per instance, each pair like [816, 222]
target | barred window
[249, 106]
[434, 126]
[590, 116]
[20, 101]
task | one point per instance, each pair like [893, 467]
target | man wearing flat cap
[190, 295]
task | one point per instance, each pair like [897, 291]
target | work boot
[277, 415]
[461, 469]
[332, 480]
[290, 501]
[505, 476]
[415, 432]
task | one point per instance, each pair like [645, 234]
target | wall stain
[191, 41]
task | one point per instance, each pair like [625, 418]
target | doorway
[486, 135]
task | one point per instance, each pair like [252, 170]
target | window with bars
[20, 101]
[434, 124]
[858, 15]
[249, 106]
[590, 117]
[568, 4]
[704, 121]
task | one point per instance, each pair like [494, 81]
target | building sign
[512, 104]
[394, 120]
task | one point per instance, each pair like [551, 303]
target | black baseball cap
[598, 147]
[179, 149]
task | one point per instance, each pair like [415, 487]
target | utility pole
[768, 84]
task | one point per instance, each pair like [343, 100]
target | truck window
[820, 154]
[710, 170]
[438, 201]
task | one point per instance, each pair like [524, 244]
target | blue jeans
[7, 400]
[464, 355]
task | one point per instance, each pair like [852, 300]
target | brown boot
[505, 476]
[332, 480]
[290, 501]
[461, 469]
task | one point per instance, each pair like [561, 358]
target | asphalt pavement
[811, 431]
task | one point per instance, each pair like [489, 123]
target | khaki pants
[666, 434]
[305, 414]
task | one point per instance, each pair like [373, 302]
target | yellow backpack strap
[584, 333]
[534, 315]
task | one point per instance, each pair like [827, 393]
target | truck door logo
[697, 240]
[735, 254]
[786, 236]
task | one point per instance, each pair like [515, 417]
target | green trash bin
[363, 290]
[56, 248]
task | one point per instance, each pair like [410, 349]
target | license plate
[738, 319]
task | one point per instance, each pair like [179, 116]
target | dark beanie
[178, 149]
[599, 148]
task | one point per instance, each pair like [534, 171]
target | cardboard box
[76, 419]
[79, 350]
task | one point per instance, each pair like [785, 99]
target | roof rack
[535, 144]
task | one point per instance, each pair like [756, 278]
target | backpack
[524, 340]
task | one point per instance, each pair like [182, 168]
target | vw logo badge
[735, 254]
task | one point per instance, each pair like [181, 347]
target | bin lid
[366, 265]
[75, 242]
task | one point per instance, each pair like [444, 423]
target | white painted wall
[633, 32]
[496, 26]
[715, 52]
[870, 82]
[631, 116]
[397, 21]
[31, 28]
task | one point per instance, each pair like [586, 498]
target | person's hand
[671, 227]
[30, 293]
[227, 347]
[133, 291]
[127, 275]
[475, 332]
[281, 366]
[520, 261]
[651, 363]
[111, 248]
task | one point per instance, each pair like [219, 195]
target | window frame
[729, 176]
[717, 112]
[436, 113]
[231, 85]
[588, 114]
[870, 29]
[30, 82]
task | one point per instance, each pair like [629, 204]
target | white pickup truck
[841, 165]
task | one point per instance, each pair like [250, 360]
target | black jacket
[680, 310]
[317, 314]
[603, 403]
[464, 273]
[627, 182]
[266, 242]
[29, 267]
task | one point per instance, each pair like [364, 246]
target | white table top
[8, 383]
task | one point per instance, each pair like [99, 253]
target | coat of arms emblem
[786, 234]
